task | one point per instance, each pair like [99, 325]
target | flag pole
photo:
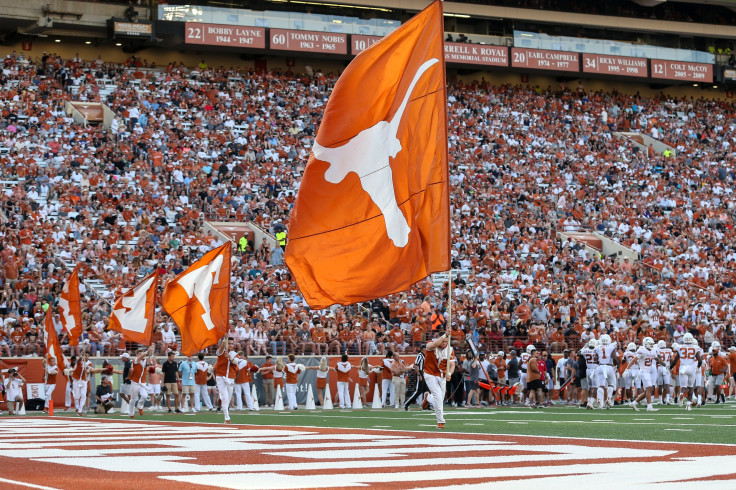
[449, 321]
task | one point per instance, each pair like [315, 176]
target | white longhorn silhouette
[367, 154]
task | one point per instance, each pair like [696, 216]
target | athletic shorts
[172, 388]
[154, 389]
[125, 389]
[535, 385]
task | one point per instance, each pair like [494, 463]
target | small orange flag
[372, 214]
[133, 312]
[51, 346]
[70, 308]
[198, 300]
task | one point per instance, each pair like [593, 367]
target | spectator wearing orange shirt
[398, 344]
[557, 340]
[319, 338]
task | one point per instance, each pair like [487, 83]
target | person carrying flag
[439, 364]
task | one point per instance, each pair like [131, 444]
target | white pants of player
[68, 395]
[606, 382]
[631, 380]
[698, 377]
[592, 375]
[687, 376]
[664, 377]
[48, 391]
[243, 390]
[138, 395]
[437, 386]
[291, 395]
[646, 378]
[79, 389]
[200, 393]
[343, 392]
[225, 389]
[387, 388]
[523, 380]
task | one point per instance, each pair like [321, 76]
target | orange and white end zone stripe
[95, 453]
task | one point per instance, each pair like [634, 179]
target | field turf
[709, 424]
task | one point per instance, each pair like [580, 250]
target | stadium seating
[526, 162]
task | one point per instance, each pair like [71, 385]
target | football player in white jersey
[646, 357]
[607, 358]
[591, 361]
[664, 376]
[690, 356]
[632, 381]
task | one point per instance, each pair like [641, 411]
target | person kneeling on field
[103, 395]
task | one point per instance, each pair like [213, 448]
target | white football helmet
[631, 346]
[648, 342]
[592, 344]
[688, 338]
[530, 349]
[662, 344]
[605, 339]
[675, 346]
[715, 345]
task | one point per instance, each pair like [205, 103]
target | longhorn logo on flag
[133, 312]
[372, 214]
[51, 346]
[198, 300]
[70, 308]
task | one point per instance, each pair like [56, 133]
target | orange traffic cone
[51, 408]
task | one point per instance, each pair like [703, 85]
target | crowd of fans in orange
[525, 163]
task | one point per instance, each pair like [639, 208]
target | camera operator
[103, 395]
[14, 390]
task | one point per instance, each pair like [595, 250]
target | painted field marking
[263, 461]
[643, 420]
[681, 430]
[472, 424]
[601, 420]
[24, 484]
[683, 418]
[381, 426]
[514, 422]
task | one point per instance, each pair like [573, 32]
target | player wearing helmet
[605, 352]
[524, 365]
[646, 357]
[591, 361]
[664, 377]
[632, 381]
[690, 357]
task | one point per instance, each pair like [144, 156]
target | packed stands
[216, 143]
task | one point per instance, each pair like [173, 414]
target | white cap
[125, 355]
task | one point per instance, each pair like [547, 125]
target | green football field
[709, 424]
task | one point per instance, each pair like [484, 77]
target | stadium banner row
[292, 40]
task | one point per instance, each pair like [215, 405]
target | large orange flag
[70, 308]
[51, 346]
[372, 214]
[198, 300]
[133, 312]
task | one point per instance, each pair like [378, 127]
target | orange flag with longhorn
[70, 308]
[51, 346]
[372, 214]
[133, 312]
[198, 300]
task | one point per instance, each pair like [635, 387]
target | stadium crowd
[526, 162]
